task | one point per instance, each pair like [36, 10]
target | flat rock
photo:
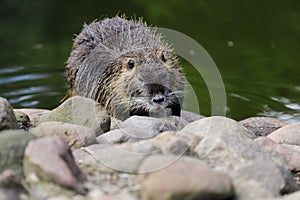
[34, 114]
[49, 159]
[190, 116]
[171, 142]
[76, 136]
[289, 134]
[267, 179]
[187, 178]
[12, 147]
[146, 127]
[292, 156]
[116, 136]
[7, 117]
[81, 111]
[262, 126]
[227, 146]
[109, 158]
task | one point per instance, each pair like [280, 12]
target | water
[255, 45]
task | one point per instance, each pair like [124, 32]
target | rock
[23, 120]
[186, 178]
[76, 136]
[262, 126]
[81, 111]
[49, 159]
[171, 142]
[291, 156]
[11, 187]
[146, 127]
[125, 195]
[267, 179]
[12, 147]
[7, 117]
[293, 196]
[116, 136]
[110, 158]
[226, 145]
[190, 116]
[33, 114]
[289, 134]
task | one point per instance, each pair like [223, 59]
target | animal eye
[163, 57]
[130, 64]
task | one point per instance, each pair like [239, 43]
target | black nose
[158, 99]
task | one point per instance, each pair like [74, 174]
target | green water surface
[255, 45]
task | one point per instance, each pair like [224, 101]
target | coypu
[127, 67]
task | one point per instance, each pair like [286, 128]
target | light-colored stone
[108, 157]
[289, 134]
[33, 114]
[262, 126]
[171, 142]
[7, 118]
[81, 111]
[12, 147]
[146, 127]
[22, 120]
[11, 187]
[49, 159]
[226, 145]
[76, 136]
[190, 116]
[292, 156]
[187, 179]
[262, 179]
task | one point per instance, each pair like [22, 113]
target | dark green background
[261, 70]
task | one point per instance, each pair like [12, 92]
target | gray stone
[81, 111]
[289, 134]
[76, 136]
[190, 116]
[226, 145]
[187, 178]
[109, 158]
[23, 120]
[261, 180]
[262, 126]
[171, 142]
[49, 159]
[11, 187]
[116, 136]
[147, 127]
[7, 117]
[292, 156]
[33, 114]
[12, 147]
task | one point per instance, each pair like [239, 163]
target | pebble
[12, 147]
[190, 116]
[76, 136]
[7, 118]
[146, 127]
[289, 134]
[108, 158]
[81, 111]
[262, 126]
[49, 159]
[262, 179]
[34, 114]
[187, 178]
[292, 156]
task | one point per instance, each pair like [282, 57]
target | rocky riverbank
[77, 151]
